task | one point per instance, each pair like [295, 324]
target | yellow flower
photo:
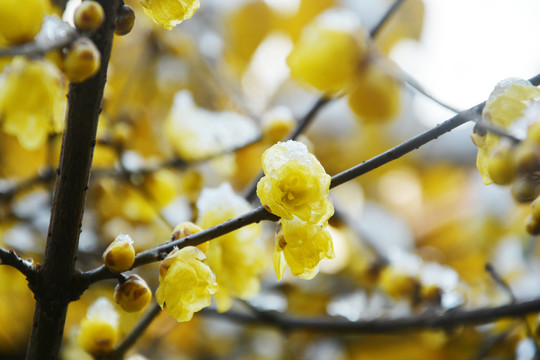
[328, 55]
[20, 21]
[506, 106]
[185, 283]
[235, 258]
[169, 13]
[302, 246]
[120, 254]
[295, 183]
[99, 330]
[32, 101]
[376, 96]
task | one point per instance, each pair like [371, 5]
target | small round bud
[527, 157]
[533, 225]
[188, 228]
[124, 20]
[524, 190]
[501, 166]
[133, 294]
[535, 208]
[82, 61]
[89, 16]
[120, 255]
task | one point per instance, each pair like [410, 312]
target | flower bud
[133, 294]
[188, 228]
[124, 21]
[120, 254]
[82, 61]
[89, 16]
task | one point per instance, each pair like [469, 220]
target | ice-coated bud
[89, 16]
[133, 294]
[82, 61]
[120, 254]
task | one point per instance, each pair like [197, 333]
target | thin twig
[377, 28]
[415, 85]
[260, 213]
[12, 259]
[381, 326]
[40, 47]
[135, 334]
[504, 285]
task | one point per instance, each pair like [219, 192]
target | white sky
[468, 46]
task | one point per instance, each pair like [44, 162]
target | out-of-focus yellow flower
[295, 184]
[185, 283]
[20, 21]
[302, 246]
[169, 13]
[327, 56]
[32, 101]
[276, 124]
[99, 330]
[376, 95]
[235, 258]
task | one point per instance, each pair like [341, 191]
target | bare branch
[382, 326]
[12, 259]
[377, 28]
[260, 213]
[135, 334]
[57, 282]
[41, 47]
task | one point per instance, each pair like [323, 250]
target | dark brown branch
[260, 213]
[382, 326]
[159, 252]
[12, 259]
[135, 334]
[57, 281]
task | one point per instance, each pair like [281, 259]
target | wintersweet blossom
[302, 246]
[295, 183]
[32, 101]
[329, 53]
[235, 258]
[169, 13]
[295, 187]
[506, 106]
[185, 283]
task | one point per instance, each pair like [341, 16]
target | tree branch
[41, 47]
[57, 280]
[383, 326]
[12, 259]
[377, 28]
[135, 334]
[260, 213]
